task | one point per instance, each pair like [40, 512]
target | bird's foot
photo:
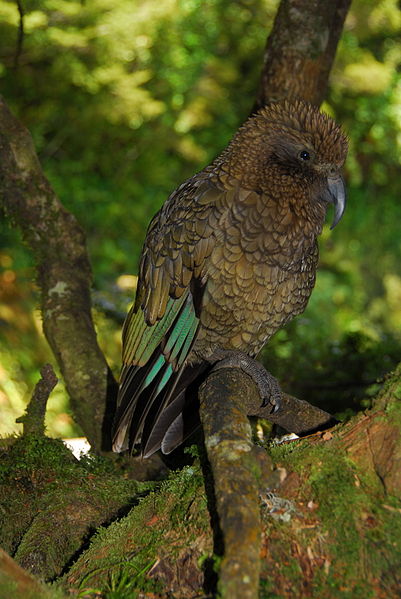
[267, 384]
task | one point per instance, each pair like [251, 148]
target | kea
[228, 260]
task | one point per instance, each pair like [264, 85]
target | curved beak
[337, 197]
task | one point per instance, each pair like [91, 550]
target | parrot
[228, 260]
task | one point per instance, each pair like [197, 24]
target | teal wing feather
[154, 357]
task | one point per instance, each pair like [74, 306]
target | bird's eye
[304, 155]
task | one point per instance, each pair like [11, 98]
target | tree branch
[21, 33]
[228, 441]
[300, 50]
[227, 397]
[64, 276]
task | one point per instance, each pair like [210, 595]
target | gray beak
[337, 197]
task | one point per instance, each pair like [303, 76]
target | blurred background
[127, 99]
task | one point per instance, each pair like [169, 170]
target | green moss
[343, 495]
[292, 452]
[341, 501]
[31, 452]
[393, 406]
[358, 525]
[123, 553]
[49, 499]
[9, 589]
[383, 540]
[390, 395]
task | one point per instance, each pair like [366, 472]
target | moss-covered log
[330, 522]
[165, 545]
[330, 514]
[50, 503]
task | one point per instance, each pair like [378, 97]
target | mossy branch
[227, 397]
[228, 441]
[64, 276]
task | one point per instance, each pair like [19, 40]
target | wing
[178, 242]
[162, 326]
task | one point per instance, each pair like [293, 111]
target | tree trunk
[300, 50]
[64, 277]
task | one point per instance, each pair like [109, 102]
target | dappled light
[124, 101]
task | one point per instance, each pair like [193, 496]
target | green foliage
[125, 100]
[130, 100]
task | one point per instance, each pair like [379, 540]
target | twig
[21, 33]
[295, 415]
[34, 417]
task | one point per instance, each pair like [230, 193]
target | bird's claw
[267, 384]
[274, 400]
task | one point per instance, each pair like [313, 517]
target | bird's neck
[245, 165]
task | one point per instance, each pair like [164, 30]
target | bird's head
[298, 145]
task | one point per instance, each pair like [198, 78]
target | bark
[64, 276]
[34, 418]
[300, 50]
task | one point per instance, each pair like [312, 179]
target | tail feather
[174, 435]
[150, 404]
[163, 424]
[170, 428]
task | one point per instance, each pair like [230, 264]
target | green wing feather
[140, 340]
[154, 357]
